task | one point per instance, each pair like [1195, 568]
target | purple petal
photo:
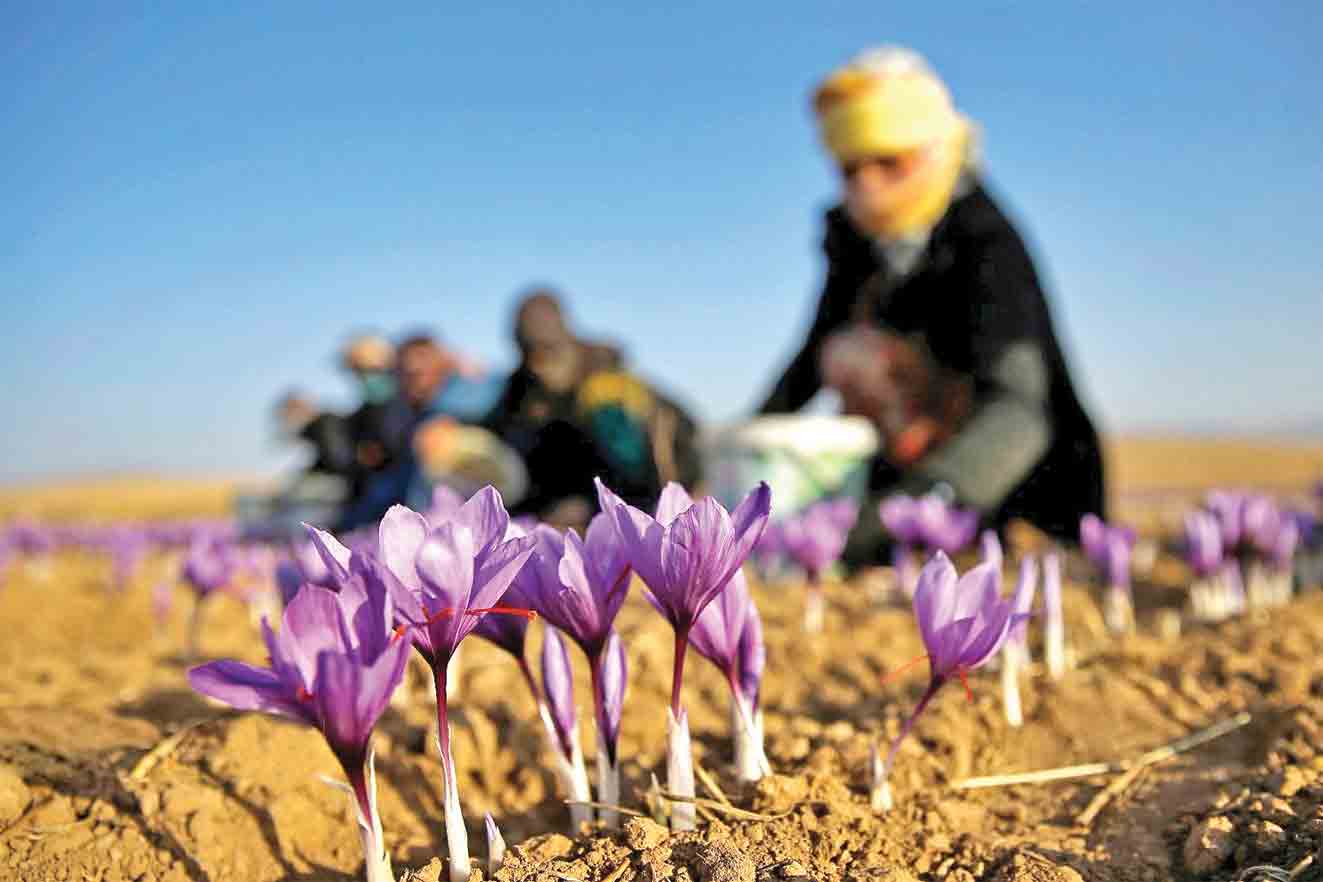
[351, 695]
[935, 597]
[674, 500]
[400, 536]
[245, 687]
[335, 557]
[614, 680]
[558, 687]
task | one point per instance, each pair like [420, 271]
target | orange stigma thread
[303, 694]
[903, 668]
[964, 680]
[430, 617]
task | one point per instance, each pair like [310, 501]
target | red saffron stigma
[903, 668]
[504, 611]
[303, 694]
[398, 632]
[430, 617]
[964, 679]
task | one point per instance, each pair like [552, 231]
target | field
[112, 769]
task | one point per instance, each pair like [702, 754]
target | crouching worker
[573, 412]
[932, 321]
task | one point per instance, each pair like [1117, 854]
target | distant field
[139, 496]
[1137, 466]
[1145, 463]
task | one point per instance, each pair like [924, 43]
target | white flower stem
[1054, 647]
[680, 770]
[495, 846]
[1010, 683]
[362, 793]
[814, 607]
[1118, 610]
[879, 794]
[608, 784]
[746, 732]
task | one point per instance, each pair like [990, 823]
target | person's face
[877, 187]
[421, 370]
[555, 363]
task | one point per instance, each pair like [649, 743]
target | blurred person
[573, 412]
[437, 391]
[932, 321]
[327, 434]
[370, 360]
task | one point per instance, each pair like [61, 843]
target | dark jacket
[1027, 449]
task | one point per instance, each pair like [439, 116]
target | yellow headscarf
[888, 101]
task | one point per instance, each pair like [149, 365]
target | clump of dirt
[112, 769]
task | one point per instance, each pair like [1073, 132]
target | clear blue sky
[201, 199]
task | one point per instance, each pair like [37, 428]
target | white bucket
[802, 458]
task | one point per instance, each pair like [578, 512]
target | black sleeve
[1010, 428]
[801, 379]
[330, 439]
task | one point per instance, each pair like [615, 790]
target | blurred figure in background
[932, 321]
[436, 391]
[327, 434]
[370, 360]
[573, 412]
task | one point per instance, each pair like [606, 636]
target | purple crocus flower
[927, 521]
[334, 664]
[1228, 507]
[442, 581]
[729, 634]
[1110, 548]
[558, 685]
[1203, 543]
[963, 621]
[209, 566]
[814, 539]
[686, 556]
[716, 634]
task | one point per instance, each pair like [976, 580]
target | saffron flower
[814, 539]
[558, 685]
[729, 634]
[686, 556]
[963, 621]
[1110, 548]
[210, 565]
[334, 664]
[927, 522]
[1015, 652]
[578, 586]
[442, 581]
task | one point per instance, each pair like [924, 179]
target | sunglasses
[893, 165]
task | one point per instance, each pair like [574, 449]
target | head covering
[369, 352]
[885, 102]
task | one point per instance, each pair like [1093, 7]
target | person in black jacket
[933, 321]
[573, 411]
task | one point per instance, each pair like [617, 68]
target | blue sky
[201, 201]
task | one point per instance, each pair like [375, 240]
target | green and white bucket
[802, 458]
